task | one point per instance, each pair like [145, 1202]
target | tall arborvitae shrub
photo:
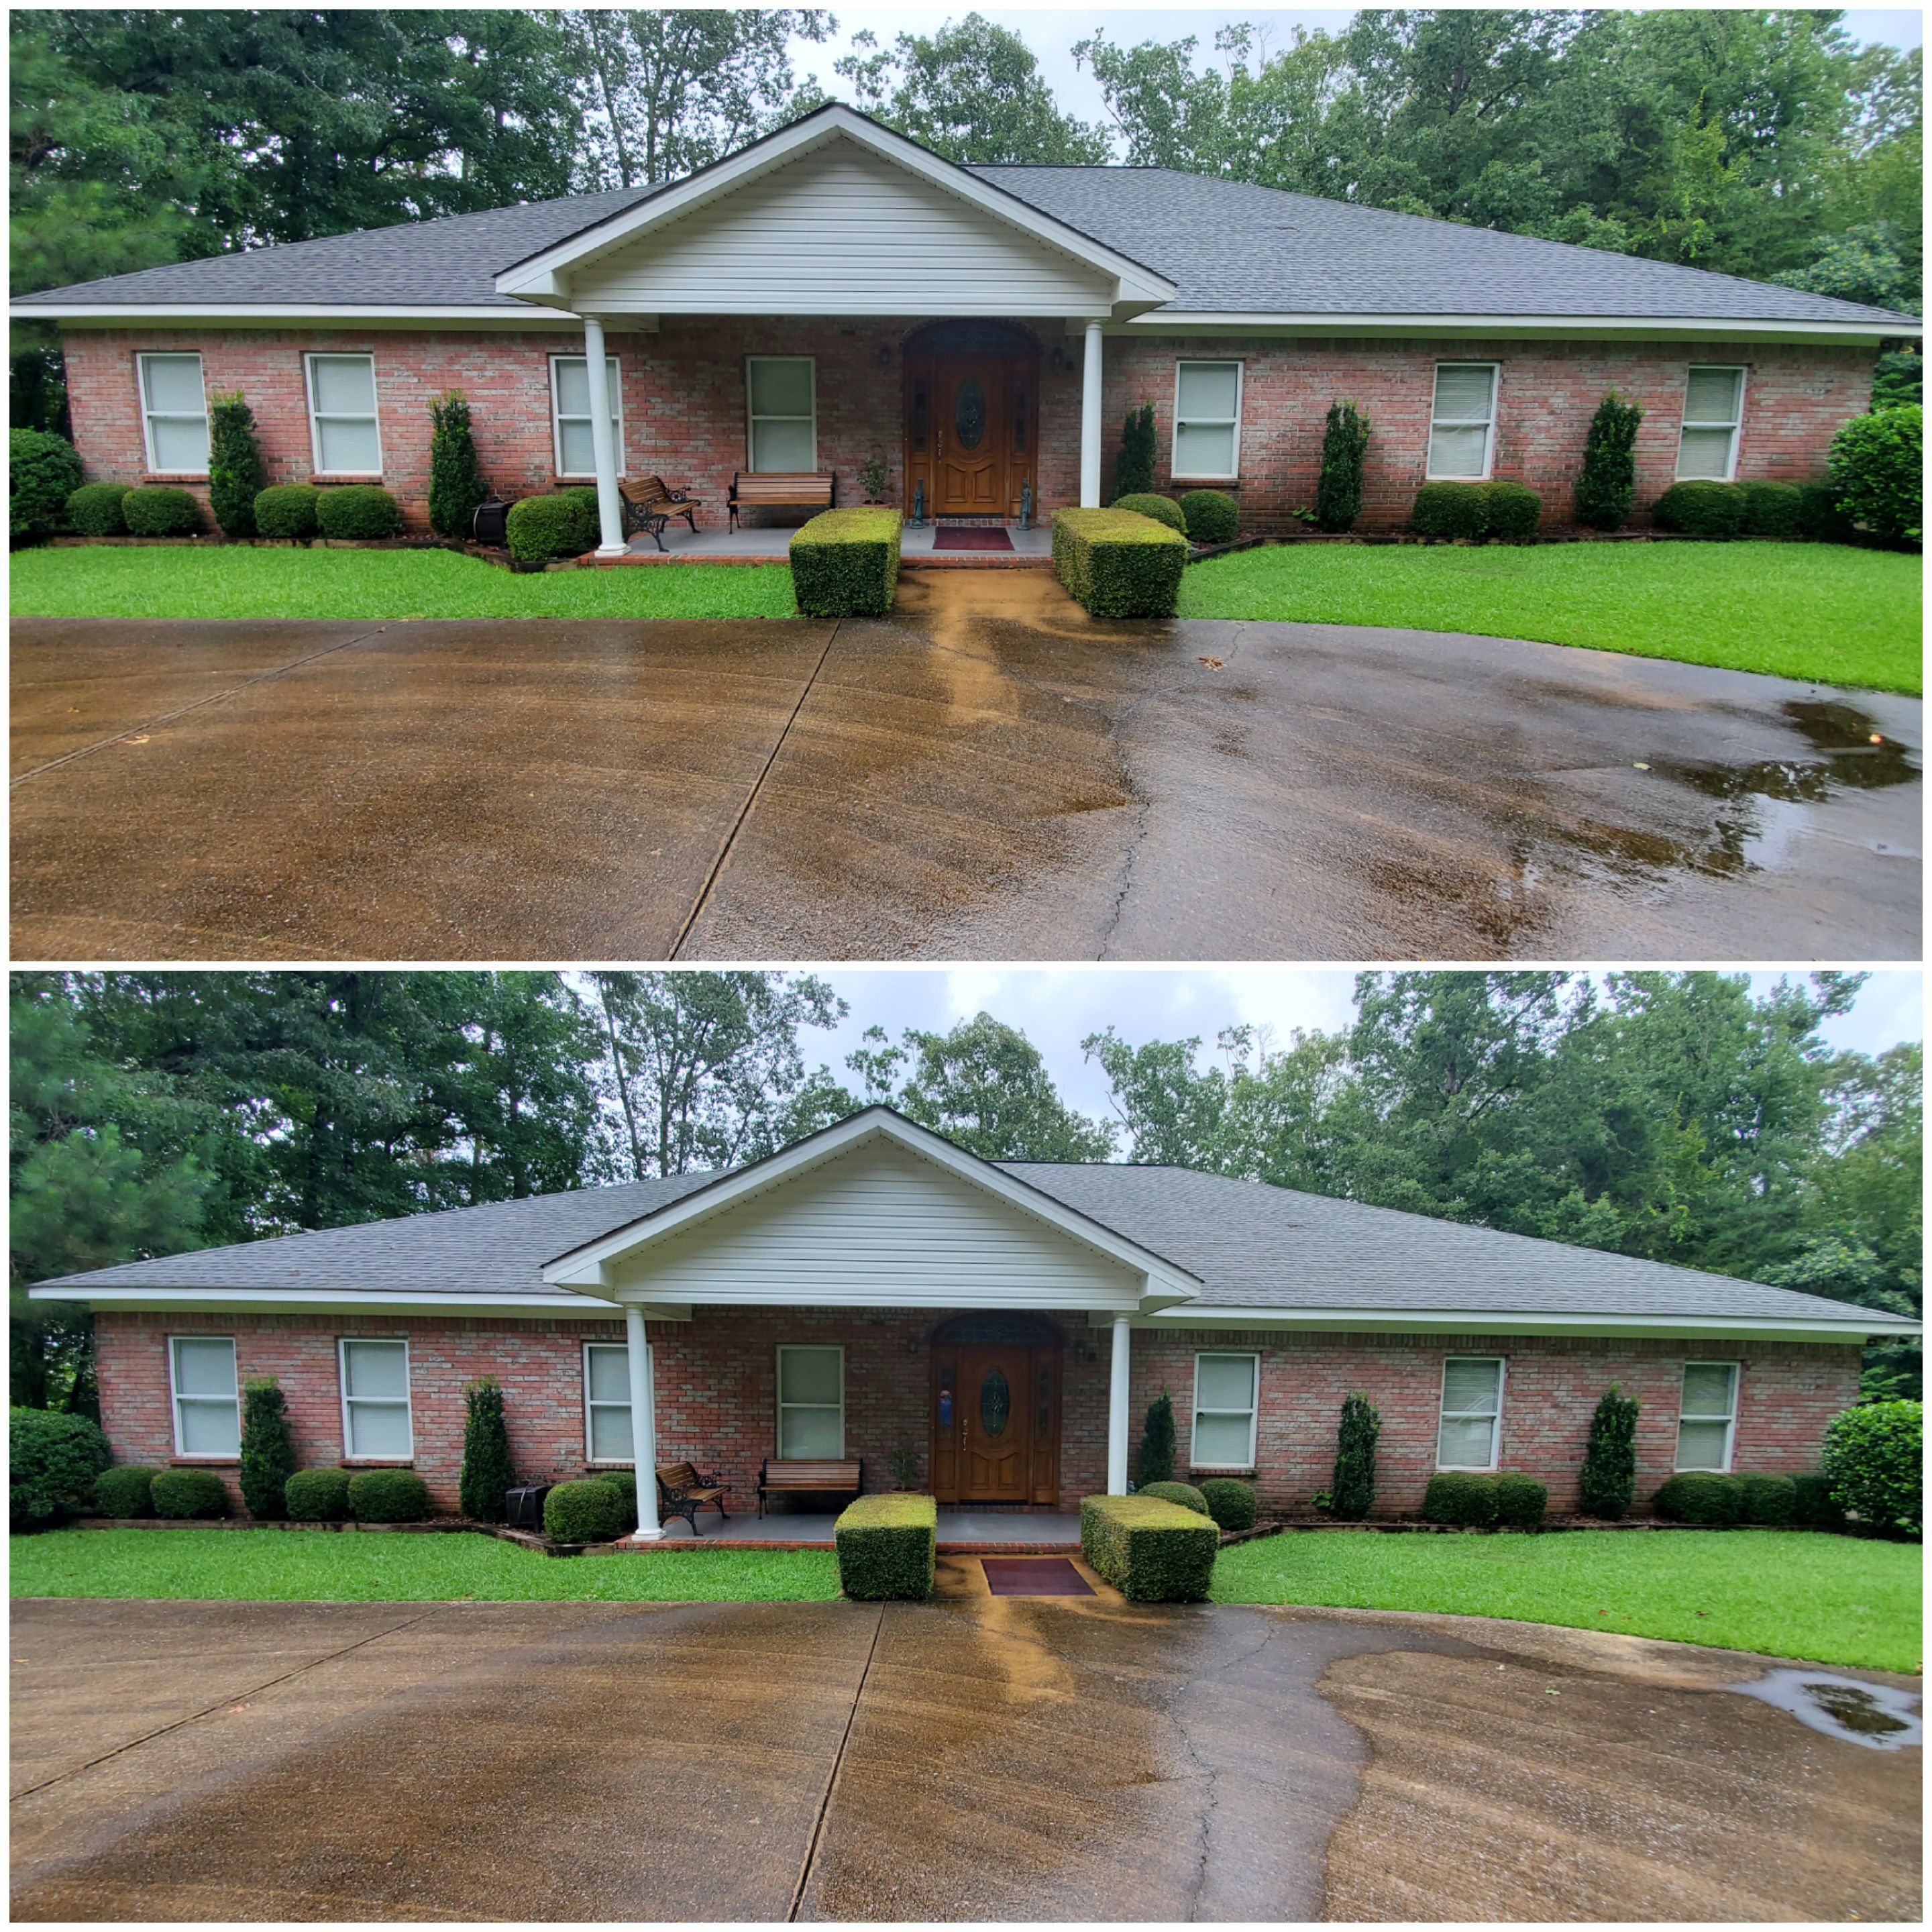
[486, 1453]
[1133, 470]
[456, 485]
[1156, 1464]
[267, 1450]
[1354, 1489]
[1609, 478]
[1608, 1479]
[236, 475]
[1344, 443]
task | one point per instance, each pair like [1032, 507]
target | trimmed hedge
[1878, 467]
[359, 513]
[1874, 1455]
[1818, 516]
[388, 1495]
[1813, 1504]
[1185, 1494]
[1162, 509]
[287, 510]
[625, 1482]
[1772, 509]
[1511, 511]
[52, 1459]
[186, 1495]
[160, 510]
[845, 563]
[1115, 563]
[1700, 509]
[539, 529]
[1230, 1501]
[43, 472]
[1464, 1497]
[95, 510]
[1450, 510]
[886, 1547]
[318, 1495]
[589, 1511]
[1151, 1552]
[1213, 516]
[1522, 1501]
[1766, 1502]
[1701, 1496]
[126, 1491]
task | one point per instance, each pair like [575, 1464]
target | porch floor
[711, 544]
[962, 1531]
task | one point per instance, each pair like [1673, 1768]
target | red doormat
[1033, 1576]
[969, 538]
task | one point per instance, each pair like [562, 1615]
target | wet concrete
[976, 1758]
[988, 773]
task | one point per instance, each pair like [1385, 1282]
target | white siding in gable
[880, 1225]
[840, 232]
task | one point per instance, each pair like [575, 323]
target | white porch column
[1089, 422]
[1117, 1413]
[644, 1421]
[603, 455]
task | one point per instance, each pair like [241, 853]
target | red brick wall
[684, 404]
[716, 1394]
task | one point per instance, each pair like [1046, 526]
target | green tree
[267, 1450]
[456, 485]
[235, 474]
[1154, 1462]
[1352, 1491]
[486, 1469]
[1609, 1479]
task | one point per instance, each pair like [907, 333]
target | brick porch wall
[716, 1395]
[684, 405]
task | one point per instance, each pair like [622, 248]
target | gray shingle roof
[1252, 1246]
[1231, 247]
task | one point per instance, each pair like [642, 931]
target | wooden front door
[996, 1421]
[969, 437]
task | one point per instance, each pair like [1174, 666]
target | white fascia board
[277, 315]
[540, 273]
[285, 1301]
[1190, 322]
[1505, 1321]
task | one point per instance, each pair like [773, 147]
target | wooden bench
[682, 1492]
[782, 489]
[649, 504]
[779, 1478]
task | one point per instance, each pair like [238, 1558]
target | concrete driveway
[979, 1758]
[987, 774]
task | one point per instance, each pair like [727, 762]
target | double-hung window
[1713, 408]
[606, 1402]
[570, 413]
[1224, 1411]
[344, 436]
[174, 414]
[1472, 1412]
[1707, 1416]
[376, 1400]
[1462, 421]
[1208, 421]
[811, 1403]
[208, 1407]
[781, 404]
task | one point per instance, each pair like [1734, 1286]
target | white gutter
[1173, 321]
[274, 315]
[1507, 1321]
[271, 1299]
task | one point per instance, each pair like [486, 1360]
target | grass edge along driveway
[1829, 613]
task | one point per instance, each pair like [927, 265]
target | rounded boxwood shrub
[1185, 1494]
[1771, 509]
[93, 510]
[125, 1492]
[318, 1495]
[1463, 1497]
[1522, 1501]
[1701, 1496]
[1210, 516]
[625, 1482]
[184, 1494]
[52, 1459]
[1512, 511]
[161, 510]
[358, 513]
[1766, 1502]
[1450, 510]
[1703, 509]
[585, 1512]
[43, 472]
[1162, 509]
[1874, 1455]
[1813, 1505]
[1230, 1501]
[1818, 516]
[388, 1495]
[1877, 463]
[287, 510]
[541, 528]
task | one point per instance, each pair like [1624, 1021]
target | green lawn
[1824, 1599]
[1823, 611]
[353, 1566]
[353, 585]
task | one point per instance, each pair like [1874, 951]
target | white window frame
[1176, 474]
[176, 1398]
[1195, 1411]
[590, 1456]
[1736, 425]
[148, 413]
[1730, 1421]
[309, 361]
[1444, 1414]
[780, 1404]
[409, 1401]
[751, 420]
[1436, 419]
[615, 368]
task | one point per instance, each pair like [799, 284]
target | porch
[995, 548]
[961, 1532]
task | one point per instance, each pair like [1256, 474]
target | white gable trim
[545, 276]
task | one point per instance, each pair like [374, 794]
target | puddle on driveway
[1855, 756]
[1878, 1716]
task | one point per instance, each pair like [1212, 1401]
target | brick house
[875, 1292]
[835, 293]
